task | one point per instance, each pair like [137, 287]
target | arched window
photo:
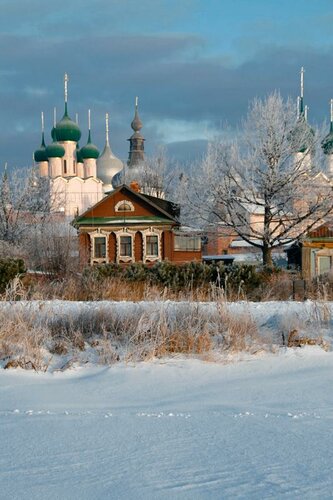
[124, 206]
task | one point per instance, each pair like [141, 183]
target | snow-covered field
[173, 428]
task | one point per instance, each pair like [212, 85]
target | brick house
[128, 226]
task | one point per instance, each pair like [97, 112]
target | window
[186, 243]
[65, 167]
[152, 245]
[125, 246]
[324, 264]
[124, 206]
[100, 247]
[74, 166]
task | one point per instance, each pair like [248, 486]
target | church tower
[303, 132]
[137, 150]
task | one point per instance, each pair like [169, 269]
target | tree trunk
[267, 256]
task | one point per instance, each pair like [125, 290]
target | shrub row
[191, 274]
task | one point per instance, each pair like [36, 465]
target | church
[79, 177]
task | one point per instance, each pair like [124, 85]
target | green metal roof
[105, 221]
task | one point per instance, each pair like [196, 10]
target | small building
[317, 251]
[128, 226]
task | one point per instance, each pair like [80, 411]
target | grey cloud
[107, 72]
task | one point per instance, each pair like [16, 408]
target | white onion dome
[108, 165]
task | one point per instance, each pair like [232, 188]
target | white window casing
[146, 254]
[98, 259]
[124, 233]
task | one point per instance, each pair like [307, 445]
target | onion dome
[55, 150]
[79, 158]
[108, 165]
[327, 143]
[136, 122]
[40, 154]
[303, 135]
[67, 129]
[89, 150]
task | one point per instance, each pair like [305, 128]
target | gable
[110, 208]
[323, 231]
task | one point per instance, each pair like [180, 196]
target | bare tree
[268, 172]
[24, 198]
[32, 224]
[155, 175]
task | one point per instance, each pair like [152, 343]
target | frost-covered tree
[262, 185]
[24, 199]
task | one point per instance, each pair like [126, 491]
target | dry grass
[240, 331]
[23, 341]
[295, 339]
[34, 339]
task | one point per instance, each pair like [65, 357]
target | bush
[9, 268]
[191, 275]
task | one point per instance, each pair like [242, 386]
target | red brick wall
[112, 247]
[84, 249]
[138, 247]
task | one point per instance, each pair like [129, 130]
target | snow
[172, 428]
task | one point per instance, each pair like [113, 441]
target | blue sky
[195, 65]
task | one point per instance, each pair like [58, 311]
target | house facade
[128, 226]
[317, 252]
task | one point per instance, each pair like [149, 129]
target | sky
[195, 65]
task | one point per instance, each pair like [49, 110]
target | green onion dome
[89, 150]
[66, 129]
[53, 134]
[327, 143]
[55, 150]
[40, 154]
[301, 137]
[79, 158]
[308, 134]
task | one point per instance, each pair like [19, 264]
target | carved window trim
[125, 258]
[98, 233]
[152, 231]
